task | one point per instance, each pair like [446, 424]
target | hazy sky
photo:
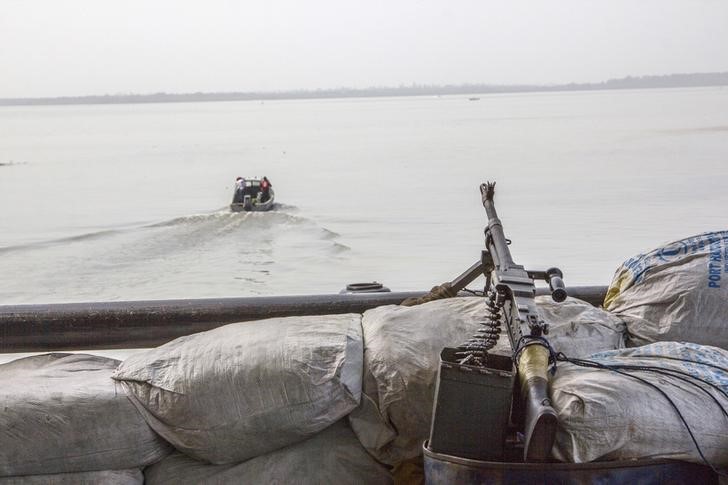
[76, 47]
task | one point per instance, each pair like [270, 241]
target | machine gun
[509, 293]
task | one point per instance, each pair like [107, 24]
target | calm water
[130, 201]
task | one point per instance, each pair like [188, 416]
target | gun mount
[510, 297]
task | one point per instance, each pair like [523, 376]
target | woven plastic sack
[106, 477]
[401, 360]
[246, 389]
[677, 292]
[604, 415]
[332, 456]
[63, 413]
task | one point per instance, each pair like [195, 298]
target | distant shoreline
[642, 82]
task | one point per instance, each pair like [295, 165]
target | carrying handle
[554, 276]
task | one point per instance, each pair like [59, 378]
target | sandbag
[63, 413]
[106, 477]
[607, 416]
[332, 456]
[578, 328]
[677, 292]
[401, 359]
[245, 389]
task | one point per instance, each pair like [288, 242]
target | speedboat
[252, 198]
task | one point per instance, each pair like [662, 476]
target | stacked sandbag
[401, 360]
[604, 415]
[245, 389]
[107, 477]
[677, 292]
[62, 413]
[332, 456]
[578, 328]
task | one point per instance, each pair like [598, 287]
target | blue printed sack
[605, 415]
[677, 292]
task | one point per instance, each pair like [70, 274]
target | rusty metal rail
[138, 324]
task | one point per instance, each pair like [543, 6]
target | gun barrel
[496, 241]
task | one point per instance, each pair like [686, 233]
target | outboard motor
[247, 203]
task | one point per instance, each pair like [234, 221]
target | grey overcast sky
[78, 47]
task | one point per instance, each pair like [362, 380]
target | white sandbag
[677, 292]
[333, 456]
[106, 477]
[401, 359]
[607, 416]
[578, 328]
[245, 389]
[63, 413]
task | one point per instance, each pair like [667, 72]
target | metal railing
[139, 324]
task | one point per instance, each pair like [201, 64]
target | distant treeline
[630, 82]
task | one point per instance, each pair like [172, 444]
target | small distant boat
[252, 198]
[473, 99]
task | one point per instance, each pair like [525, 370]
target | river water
[120, 202]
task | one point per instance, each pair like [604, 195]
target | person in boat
[239, 190]
[265, 186]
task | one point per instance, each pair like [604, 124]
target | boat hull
[250, 205]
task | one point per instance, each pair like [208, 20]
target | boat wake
[79, 238]
[222, 252]
[195, 228]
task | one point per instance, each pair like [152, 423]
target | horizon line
[701, 79]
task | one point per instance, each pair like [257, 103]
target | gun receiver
[511, 298]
